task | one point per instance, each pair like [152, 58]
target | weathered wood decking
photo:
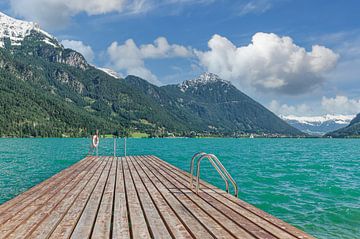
[133, 197]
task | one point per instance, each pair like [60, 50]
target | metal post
[125, 146]
[97, 147]
[192, 166]
[115, 146]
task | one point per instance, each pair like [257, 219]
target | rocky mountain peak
[16, 30]
[204, 79]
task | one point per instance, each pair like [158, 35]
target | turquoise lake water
[313, 184]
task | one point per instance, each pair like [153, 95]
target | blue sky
[295, 57]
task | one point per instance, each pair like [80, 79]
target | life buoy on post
[95, 141]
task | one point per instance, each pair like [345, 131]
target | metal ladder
[215, 162]
[95, 150]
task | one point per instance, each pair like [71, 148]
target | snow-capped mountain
[203, 79]
[318, 125]
[17, 30]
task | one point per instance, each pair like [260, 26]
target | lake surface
[313, 184]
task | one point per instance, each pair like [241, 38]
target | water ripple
[313, 184]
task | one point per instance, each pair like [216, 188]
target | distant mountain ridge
[352, 130]
[48, 90]
[215, 105]
[318, 125]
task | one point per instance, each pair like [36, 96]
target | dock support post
[125, 146]
[115, 146]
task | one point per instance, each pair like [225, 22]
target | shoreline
[184, 137]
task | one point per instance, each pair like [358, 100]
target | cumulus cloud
[269, 63]
[341, 105]
[338, 105]
[80, 47]
[130, 58]
[284, 109]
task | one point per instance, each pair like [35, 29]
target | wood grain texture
[133, 197]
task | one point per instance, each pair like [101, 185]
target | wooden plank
[238, 214]
[178, 230]
[103, 223]
[235, 213]
[233, 222]
[16, 220]
[23, 200]
[156, 223]
[68, 222]
[85, 225]
[222, 214]
[268, 218]
[35, 189]
[185, 216]
[134, 197]
[139, 225]
[217, 223]
[51, 220]
[121, 225]
[38, 216]
[261, 218]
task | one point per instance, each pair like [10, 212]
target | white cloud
[162, 49]
[80, 47]
[130, 58]
[46, 13]
[255, 7]
[58, 13]
[269, 63]
[341, 105]
[284, 109]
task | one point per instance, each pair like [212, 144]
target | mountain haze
[318, 125]
[48, 90]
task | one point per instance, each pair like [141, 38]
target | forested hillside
[48, 90]
[352, 130]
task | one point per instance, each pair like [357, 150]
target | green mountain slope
[352, 130]
[47, 90]
[37, 72]
[216, 106]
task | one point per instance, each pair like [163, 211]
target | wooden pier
[133, 197]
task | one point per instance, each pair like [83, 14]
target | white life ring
[95, 141]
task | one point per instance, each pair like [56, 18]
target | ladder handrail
[221, 174]
[236, 188]
[192, 166]
[219, 167]
[212, 163]
[116, 145]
